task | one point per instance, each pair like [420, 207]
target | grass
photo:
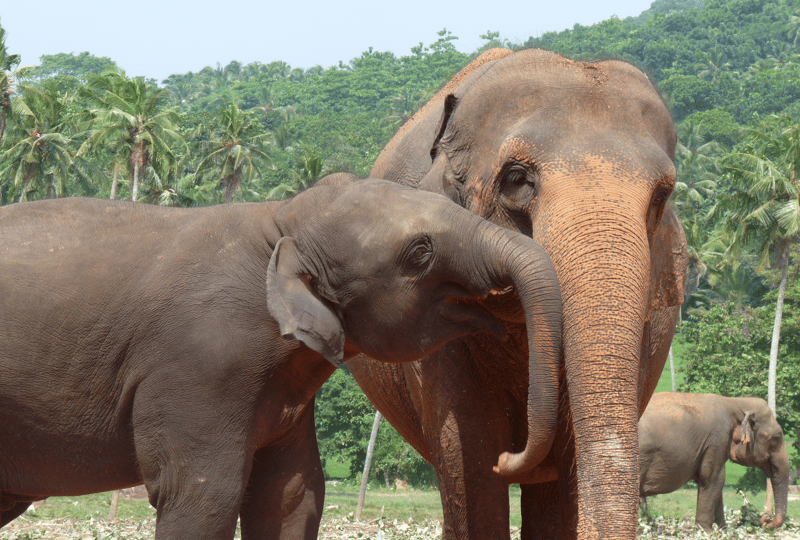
[409, 514]
[681, 504]
[381, 503]
[335, 469]
[95, 506]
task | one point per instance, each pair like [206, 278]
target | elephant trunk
[604, 267]
[778, 473]
[522, 263]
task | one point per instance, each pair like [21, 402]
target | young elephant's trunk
[523, 264]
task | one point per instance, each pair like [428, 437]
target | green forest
[77, 125]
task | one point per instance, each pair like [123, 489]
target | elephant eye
[656, 209]
[516, 176]
[518, 185]
[418, 253]
[660, 196]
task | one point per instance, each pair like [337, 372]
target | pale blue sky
[156, 38]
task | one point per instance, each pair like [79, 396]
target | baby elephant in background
[142, 344]
[686, 437]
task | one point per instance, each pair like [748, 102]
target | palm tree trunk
[115, 182]
[112, 512]
[773, 353]
[230, 184]
[27, 182]
[50, 186]
[2, 122]
[135, 188]
[672, 368]
[776, 331]
[367, 464]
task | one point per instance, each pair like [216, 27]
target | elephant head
[579, 157]
[757, 441]
[400, 288]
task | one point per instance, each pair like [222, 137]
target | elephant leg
[709, 501]
[550, 509]
[286, 491]
[198, 500]
[540, 508]
[465, 438]
[7, 516]
[719, 513]
[194, 468]
[474, 499]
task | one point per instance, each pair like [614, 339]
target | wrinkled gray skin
[141, 344]
[686, 437]
[579, 157]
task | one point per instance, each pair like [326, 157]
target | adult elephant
[142, 344]
[686, 437]
[578, 156]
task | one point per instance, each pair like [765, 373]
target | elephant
[686, 437]
[578, 156]
[142, 344]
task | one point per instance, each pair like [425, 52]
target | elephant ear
[668, 261]
[301, 313]
[748, 427]
[441, 178]
[744, 433]
[450, 103]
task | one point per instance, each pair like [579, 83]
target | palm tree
[237, 146]
[714, 63]
[7, 63]
[131, 119]
[763, 210]
[309, 167]
[404, 104]
[39, 150]
[794, 28]
[697, 168]
[732, 278]
[183, 89]
[281, 135]
[278, 70]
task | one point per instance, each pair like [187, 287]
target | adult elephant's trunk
[520, 262]
[601, 253]
[778, 473]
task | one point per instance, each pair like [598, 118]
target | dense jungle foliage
[75, 124]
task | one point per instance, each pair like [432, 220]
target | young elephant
[141, 344]
[686, 437]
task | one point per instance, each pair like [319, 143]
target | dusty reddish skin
[578, 156]
[142, 344]
[686, 437]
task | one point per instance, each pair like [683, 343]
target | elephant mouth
[505, 305]
[471, 315]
